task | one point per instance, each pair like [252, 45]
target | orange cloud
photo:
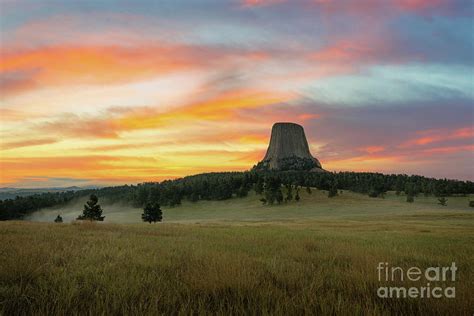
[361, 6]
[95, 64]
[255, 3]
[218, 108]
[92, 167]
[124, 169]
[355, 51]
[433, 136]
[449, 149]
[362, 163]
[76, 126]
[254, 139]
[373, 149]
[26, 143]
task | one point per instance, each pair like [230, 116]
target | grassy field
[312, 206]
[238, 257]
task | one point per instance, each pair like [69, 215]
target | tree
[308, 190]
[410, 191]
[333, 190]
[279, 196]
[399, 186]
[273, 190]
[259, 186]
[289, 192]
[297, 195]
[92, 211]
[442, 201]
[58, 219]
[152, 213]
[242, 191]
[194, 197]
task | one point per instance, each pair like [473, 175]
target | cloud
[218, 107]
[258, 3]
[131, 94]
[27, 143]
[95, 64]
[373, 7]
[431, 136]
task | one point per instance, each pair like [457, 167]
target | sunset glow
[105, 92]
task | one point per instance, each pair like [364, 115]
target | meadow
[316, 256]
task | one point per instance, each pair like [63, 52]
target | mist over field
[317, 205]
[114, 212]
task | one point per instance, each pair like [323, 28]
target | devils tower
[288, 150]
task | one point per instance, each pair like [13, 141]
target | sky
[98, 92]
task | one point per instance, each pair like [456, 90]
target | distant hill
[11, 193]
[269, 184]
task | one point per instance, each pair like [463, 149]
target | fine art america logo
[437, 282]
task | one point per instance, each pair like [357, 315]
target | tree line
[225, 185]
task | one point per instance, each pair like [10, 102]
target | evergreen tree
[333, 190]
[409, 189]
[442, 201]
[273, 190]
[399, 186]
[152, 213]
[58, 219]
[194, 197]
[243, 191]
[289, 192]
[259, 186]
[92, 211]
[279, 196]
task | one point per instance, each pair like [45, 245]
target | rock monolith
[289, 150]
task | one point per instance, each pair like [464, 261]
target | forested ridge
[226, 185]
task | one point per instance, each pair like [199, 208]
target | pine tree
[442, 201]
[243, 191]
[259, 186]
[289, 192]
[58, 219]
[333, 190]
[273, 190]
[279, 196]
[152, 213]
[194, 196]
[92, 211]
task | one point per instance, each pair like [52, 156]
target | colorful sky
[111, 92]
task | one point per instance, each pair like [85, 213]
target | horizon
[105, 94]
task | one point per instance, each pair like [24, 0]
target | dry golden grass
[325, 266]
